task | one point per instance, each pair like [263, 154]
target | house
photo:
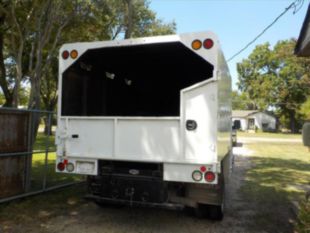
[302, 48]
[251, 120]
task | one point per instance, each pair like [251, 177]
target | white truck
[148, 120]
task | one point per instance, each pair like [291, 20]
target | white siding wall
[260, 119]
[263, 118]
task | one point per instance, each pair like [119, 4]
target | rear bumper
[171, 172]
[152, 192]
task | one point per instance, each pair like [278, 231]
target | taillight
[65, 54]
[209, 176]
[61, 166]
[197, 175]
[196, 44]
[208, 43]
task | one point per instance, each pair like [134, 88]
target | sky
[236, 22]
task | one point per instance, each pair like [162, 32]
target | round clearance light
[70, 167]
[197, 175]
[203, 169]
[74, 54]
[208, 43]
[61, 166]
[65, 54]
[209, 176]
[196, 44]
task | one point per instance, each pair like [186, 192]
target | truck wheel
[201, 211]
[215, 212]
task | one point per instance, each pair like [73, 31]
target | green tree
[274, 77]
[305, 109]
[31, 32]
[2, 99]
[241, 101]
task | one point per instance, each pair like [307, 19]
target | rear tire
[201, 211]
[216, 212]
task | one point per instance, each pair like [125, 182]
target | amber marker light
[74, 54]
[196, 44]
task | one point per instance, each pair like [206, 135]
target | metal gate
[27, 154]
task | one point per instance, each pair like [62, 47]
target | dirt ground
[242, 214]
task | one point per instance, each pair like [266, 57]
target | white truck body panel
[199, 104]
[123, 138]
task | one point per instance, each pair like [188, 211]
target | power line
[297, 4]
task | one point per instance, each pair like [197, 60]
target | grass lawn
[42, 140]
[280, 175]
[269, 135]
[283, 167]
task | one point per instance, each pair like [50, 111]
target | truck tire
[201, 211]
[216, 212]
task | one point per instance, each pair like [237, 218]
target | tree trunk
[3, 83]
[34, 103]
[293, 127]
[19, 75]
[129, 23]
[15, 100]
[48, 123]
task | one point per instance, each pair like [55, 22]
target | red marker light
[203, 168]
[208, 43]
[65, 54]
